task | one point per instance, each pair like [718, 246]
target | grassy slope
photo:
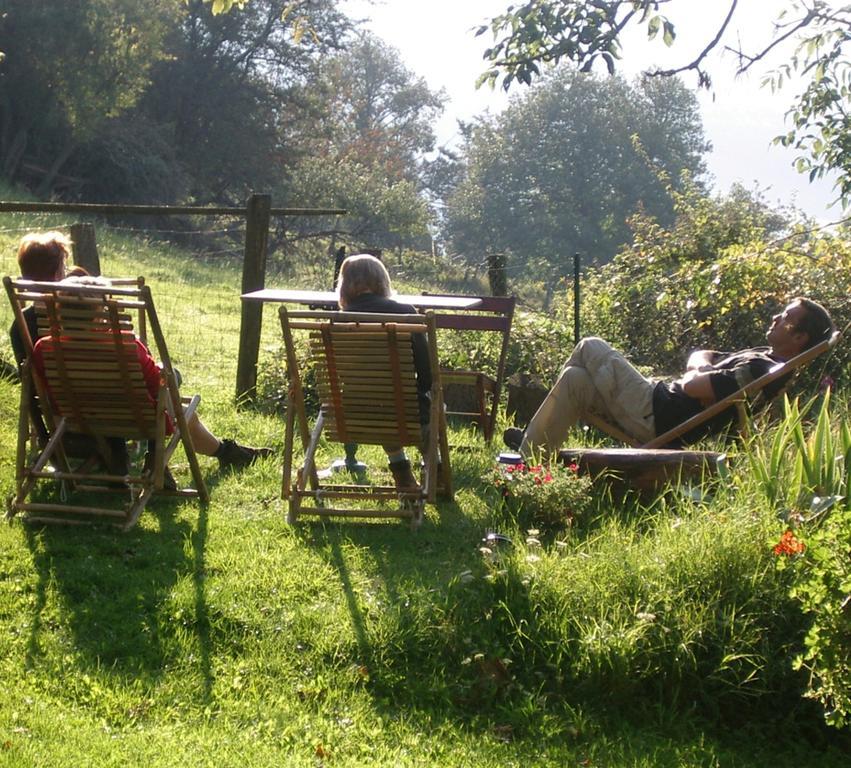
[225, 637]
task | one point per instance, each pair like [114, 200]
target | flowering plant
[789, 545]
[553, 495]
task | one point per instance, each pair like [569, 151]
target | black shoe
[513, 437]
[232, 455]
[403, 477]
[169, 483]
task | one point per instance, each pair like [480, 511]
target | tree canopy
[563, 168]
[813, 33]
[365, 137]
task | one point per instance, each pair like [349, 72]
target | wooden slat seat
[89, 380]
[366, 381]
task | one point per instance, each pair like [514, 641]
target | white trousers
[595, 379]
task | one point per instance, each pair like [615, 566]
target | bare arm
[697, 384]
[701, 360]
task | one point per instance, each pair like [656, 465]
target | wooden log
[644, 468]
[253, 278]
[84, 247]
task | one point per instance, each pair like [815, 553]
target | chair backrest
[88, 354]
[365, 373]
[778, 371]
[490, 314]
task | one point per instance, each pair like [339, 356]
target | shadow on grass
[110, 589]
[451, 628]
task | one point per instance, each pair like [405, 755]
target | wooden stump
[525, 395]
[644, 468]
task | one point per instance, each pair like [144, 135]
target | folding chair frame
[83, 321]
[365, 364]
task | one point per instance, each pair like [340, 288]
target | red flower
[789, 545]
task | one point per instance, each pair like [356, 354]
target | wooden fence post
[253, 279]
[84, 249]
[496, 274]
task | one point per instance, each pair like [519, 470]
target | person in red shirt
[43, 256]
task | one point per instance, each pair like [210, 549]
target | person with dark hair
[364, 286]
[43, 257]
[598, 379]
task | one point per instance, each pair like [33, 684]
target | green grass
[652, 633]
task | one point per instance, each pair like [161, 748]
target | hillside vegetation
[643, 631]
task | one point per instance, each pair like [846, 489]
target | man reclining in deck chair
[43, 257]
[598, 379]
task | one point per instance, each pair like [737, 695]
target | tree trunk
[46, 184]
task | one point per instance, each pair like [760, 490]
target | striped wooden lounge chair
[93, 386]
[366, 383]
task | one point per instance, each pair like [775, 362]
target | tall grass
[653, 632]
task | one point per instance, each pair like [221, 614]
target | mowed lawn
[222, 636]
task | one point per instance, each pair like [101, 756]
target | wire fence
[196, 297]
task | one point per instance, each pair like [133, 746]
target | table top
[297, 296]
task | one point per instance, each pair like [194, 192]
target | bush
[823, 587]
[809, 478]
[535, 494]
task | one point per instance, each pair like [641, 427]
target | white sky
[436, 41]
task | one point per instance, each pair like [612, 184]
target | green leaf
[653, 27]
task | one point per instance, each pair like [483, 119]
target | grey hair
[362, 273]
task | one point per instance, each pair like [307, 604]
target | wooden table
[328, 299]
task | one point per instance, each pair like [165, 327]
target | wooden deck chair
[94, 386]
[366, 383]
[493, 314]
[738, 400]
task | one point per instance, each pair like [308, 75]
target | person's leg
[595, 378]
[229, 453]
[204, 441]
[625, 395]
[569, 398]
[400, 468]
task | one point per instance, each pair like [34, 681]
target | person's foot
[169, 483]
[232, 455]
[513, 437]
[403, 476]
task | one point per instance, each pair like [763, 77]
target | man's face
[783, 334]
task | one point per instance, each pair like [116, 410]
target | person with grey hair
[598, 379]
[364, 286]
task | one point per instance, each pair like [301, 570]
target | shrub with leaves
[547, 495]
[824, 591]
[807, 477]
[804, 475]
